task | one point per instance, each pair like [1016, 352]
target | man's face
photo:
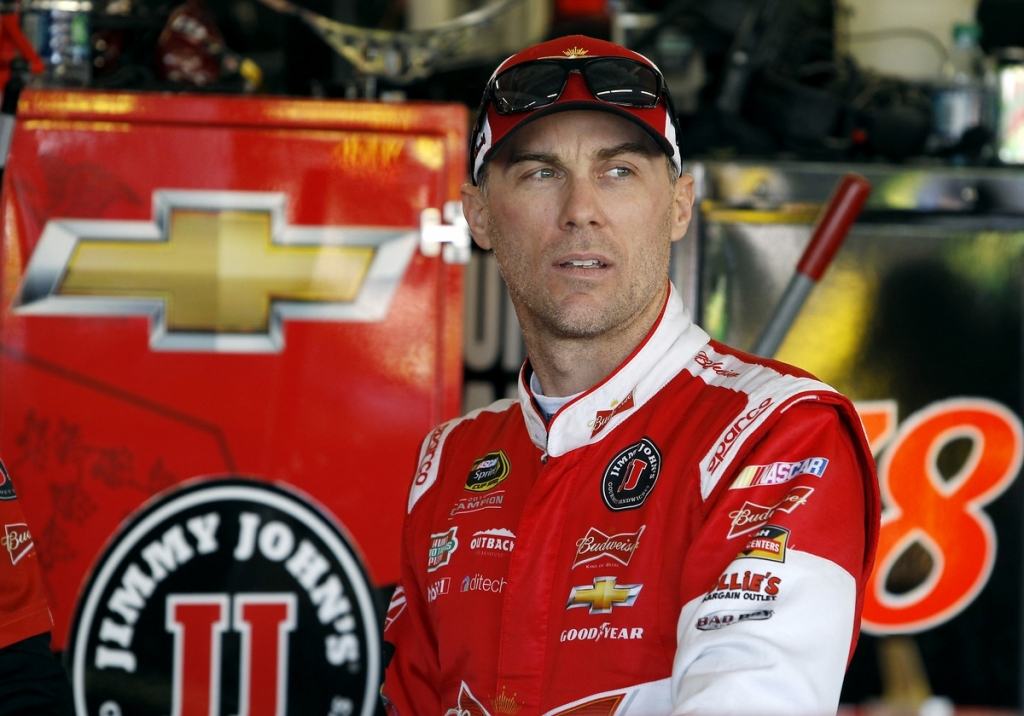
[581, 213]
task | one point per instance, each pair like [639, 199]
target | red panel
[93, 421]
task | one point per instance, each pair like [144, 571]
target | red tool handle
[834, 223]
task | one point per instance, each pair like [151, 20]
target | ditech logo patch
[227, 597]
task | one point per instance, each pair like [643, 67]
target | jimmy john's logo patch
[630, 476]
[6, 486]
[769, 542]
[223, 597]
[488, 472]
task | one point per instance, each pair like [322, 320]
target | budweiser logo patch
[597, 545]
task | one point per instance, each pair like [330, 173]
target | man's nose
[581, 206]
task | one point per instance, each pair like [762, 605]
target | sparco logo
[630, 476]
[226, 597]
[735, 431]
[428, 456]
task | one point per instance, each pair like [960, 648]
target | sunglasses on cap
[539, 83]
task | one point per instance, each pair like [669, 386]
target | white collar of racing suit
[595, 413]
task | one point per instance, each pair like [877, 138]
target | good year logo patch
[226, 597]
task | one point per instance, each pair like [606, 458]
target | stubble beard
[538, 310]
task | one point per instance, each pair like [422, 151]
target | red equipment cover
[201, 286]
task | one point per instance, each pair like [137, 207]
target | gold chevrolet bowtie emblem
[216, 270]
[603, 595]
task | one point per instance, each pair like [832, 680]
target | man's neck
[566, 366]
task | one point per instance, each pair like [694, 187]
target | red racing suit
[690, 536]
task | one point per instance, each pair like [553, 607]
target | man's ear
[682, 206]
[474, 207]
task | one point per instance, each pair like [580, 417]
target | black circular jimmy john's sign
[227, 596]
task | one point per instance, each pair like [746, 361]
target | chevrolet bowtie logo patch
[603, 595]
[215, 271]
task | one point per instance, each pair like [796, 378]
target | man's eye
[545, 173]
[619, 172]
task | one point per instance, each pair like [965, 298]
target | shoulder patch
[430, 452]
[767, 392]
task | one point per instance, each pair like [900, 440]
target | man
[32, 682]
[660, 524]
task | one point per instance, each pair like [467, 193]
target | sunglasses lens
[621, 81]
[528, 86]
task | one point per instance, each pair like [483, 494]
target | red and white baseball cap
[561, 75]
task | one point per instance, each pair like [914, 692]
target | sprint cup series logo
[488, 471]
[226, 597]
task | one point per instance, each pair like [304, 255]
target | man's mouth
[584, 263]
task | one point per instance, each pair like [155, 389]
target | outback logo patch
[6, 486]
[630, 476]
[488, 471]
[442, 546]
[222, 596]
[494, 541]
[767, 543]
